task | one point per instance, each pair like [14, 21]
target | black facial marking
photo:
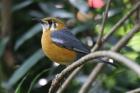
[50, 23]
[54, 24]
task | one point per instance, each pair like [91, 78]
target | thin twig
[121, 21]
[95, 71]
[105, 16]
[134, 91]
[116, 56]
[137, 19]
[67, 81]
[126, 38]
[117, 47]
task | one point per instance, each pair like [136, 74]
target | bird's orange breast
[55, 52]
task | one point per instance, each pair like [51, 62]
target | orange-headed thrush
[59, 44]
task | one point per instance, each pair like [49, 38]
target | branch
[105, 15]
[134, 91]
[121, 21]
[67, 81]
[6, 14]
[120, 58]
[126, 38]
[95, 71]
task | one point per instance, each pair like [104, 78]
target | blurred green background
[23, 66]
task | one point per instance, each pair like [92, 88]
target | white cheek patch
[56, 24]
[45, 26]
[53, 27]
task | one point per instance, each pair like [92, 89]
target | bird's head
[51, 24]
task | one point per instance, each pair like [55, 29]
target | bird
[59, 44]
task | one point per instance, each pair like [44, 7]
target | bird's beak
[37, 20]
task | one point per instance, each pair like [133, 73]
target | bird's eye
[55, 24]
[52, 23]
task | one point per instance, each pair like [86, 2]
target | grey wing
[67, 40]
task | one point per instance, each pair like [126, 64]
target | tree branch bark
[94, 73]
[67, 81]
[134, 91]
[121, 21]
[105, 16]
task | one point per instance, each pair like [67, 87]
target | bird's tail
[107, 61]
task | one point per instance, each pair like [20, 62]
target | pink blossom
[96, 3]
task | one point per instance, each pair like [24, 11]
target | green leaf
[34, 30]
[27, 65]
[131, 55]
[135, 42]
[62, 13]
[35, 79]
[114, 11]
[81, 28]
[22, 5]
[110, 82]
[53, 11]
[36, 14]
[81, 5]
[18, 89]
